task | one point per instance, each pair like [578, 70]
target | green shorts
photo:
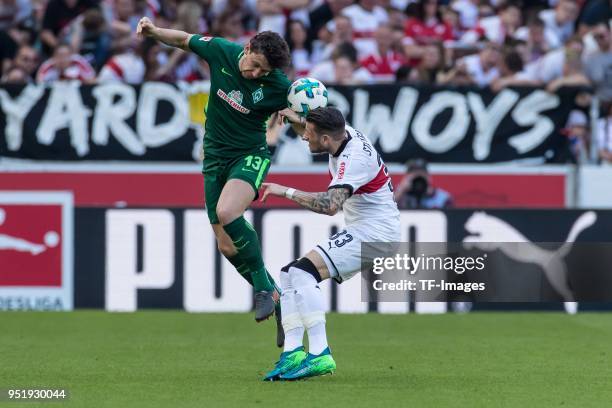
[251, 168]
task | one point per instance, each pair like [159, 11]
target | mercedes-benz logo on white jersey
[489, 233]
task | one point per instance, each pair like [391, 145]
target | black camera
[419, 186]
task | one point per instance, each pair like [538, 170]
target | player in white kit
[362, 189]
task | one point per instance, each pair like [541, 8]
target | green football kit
[235, 141]
[238, 108]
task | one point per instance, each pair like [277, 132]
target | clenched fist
[145, 27]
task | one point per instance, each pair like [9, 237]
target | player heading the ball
[247, 86]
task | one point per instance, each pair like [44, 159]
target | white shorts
[342, 251]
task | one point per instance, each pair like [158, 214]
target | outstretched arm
[328, 202]
[173, 38]
[298, 123]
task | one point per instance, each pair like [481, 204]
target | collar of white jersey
[343, 145]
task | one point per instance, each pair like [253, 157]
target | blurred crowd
[494, 43]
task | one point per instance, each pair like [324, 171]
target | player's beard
[317, 149]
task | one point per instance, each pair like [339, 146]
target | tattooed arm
[329, 202]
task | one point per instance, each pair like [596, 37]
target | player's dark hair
[327, 120]
[273, 47]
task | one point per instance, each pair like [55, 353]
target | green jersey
[238, 108]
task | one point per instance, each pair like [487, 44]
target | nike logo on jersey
[225, 72]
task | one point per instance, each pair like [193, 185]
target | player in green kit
[247, 86]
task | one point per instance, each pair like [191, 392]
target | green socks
[242, 269]
[246, 242]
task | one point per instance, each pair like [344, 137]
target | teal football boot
[289, 360]
[312, 366]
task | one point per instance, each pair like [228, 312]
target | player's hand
[145, 27]
[290, 115]
[272, 189]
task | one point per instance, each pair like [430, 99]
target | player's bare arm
[328, 202]
[173, 38]
[298, 122]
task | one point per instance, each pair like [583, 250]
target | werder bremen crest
[236, 96]
[257, 95]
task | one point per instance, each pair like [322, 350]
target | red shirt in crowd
[383, 67]
[424, 33]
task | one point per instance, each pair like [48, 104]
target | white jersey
[358, 167]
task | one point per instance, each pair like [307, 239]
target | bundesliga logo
[30, 257]
[36, 270]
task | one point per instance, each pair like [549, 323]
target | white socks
[317, 339]
[292, 323]
[311, 307]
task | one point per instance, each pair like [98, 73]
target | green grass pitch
[175, 359]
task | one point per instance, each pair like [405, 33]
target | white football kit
[370, 213]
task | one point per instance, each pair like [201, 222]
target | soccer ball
[306, 94]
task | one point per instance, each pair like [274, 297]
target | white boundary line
[18, 166]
